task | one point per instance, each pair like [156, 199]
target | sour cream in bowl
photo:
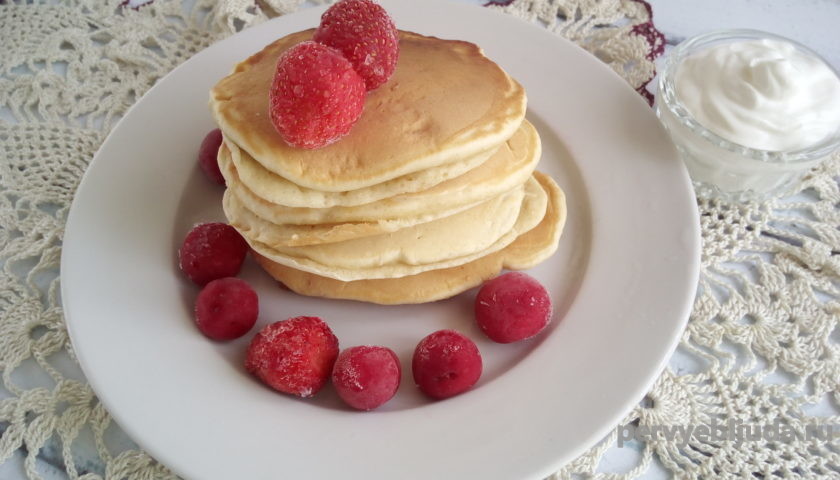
[750, 112]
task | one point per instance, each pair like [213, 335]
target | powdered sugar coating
[316, 97]
[366, 35]
[512, 307]
[211, 251]
[366, 377]
[293, 356]
[446, 363]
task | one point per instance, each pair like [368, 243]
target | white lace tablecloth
[760, 349]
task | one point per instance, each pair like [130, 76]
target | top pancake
[445, 102]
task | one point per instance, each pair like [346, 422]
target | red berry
[226, 308]
[366, 35]
[211, 251]
[208, 156]
[293, 356]
[366, 377]
[512, 307]
[445, 364]
[315, 97]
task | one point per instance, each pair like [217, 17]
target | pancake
[257, 228]
[292, 235]
[276, 189]
[461, 234]
[510, 166]
[445, 102]
[529, 249]
[419, 244]
[428, 246]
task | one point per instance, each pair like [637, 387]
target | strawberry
[512, 307]
[294, 356]
[316, 97]
[211, 251]
[446, 363]
[207, 156]
[226, 308]
[366, 377]
[364, 32]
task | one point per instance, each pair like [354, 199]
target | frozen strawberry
[316, 97]
[211, 251]
[366, 35]
[366, 377]
[512, 307]
[445, 364]
[294, 356]
[226, 308]
[208, 156]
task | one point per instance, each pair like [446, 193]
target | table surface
[811, 22]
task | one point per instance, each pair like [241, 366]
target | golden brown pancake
[290, 235]
[508, 168]
[443, 243]
[526, 251]
[276, 189]
[293, 235]
[445, 102]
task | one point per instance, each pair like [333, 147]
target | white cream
[764, 94]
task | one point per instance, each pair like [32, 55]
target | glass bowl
[719, 166]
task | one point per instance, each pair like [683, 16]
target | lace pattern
[763, 335]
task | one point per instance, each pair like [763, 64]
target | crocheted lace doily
[762, 339]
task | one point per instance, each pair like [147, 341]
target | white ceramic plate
[622, 280]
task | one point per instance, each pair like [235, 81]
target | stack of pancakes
[431, 193]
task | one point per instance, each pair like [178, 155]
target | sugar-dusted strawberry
[512, 307]
[294, 356]
[366, 35]
[366, 377]
[446, 363]
[208, 156]
[226, 308]
[316, 97]
[211, 251]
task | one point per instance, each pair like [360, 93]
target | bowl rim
[667, 88]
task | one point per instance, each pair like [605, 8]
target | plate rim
[692, 273]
